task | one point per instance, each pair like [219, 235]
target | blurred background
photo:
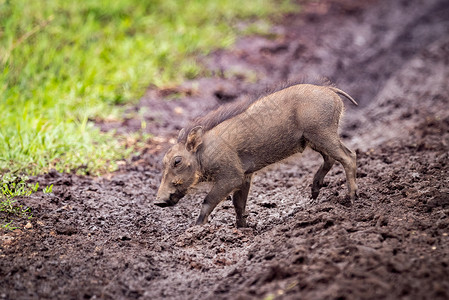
[67, 64]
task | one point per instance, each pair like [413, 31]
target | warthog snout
[171, 200]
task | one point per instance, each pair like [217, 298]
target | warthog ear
[181, 133]
[194, 139]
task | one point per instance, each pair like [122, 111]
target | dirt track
[102, 237]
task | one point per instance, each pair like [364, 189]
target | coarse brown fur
[230, 110]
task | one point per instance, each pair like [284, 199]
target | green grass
[64, 63]
[12, 187]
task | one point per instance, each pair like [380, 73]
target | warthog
[228, 145]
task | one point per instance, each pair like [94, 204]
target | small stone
[28, 226]
[178, 110]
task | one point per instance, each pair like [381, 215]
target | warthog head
[181, 169]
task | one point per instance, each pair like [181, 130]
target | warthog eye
[177, 161]
[177, 182]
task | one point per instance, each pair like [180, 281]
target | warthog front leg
[220, 190]
[239, 200]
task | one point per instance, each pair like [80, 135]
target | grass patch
[12, 187]
[66, 63]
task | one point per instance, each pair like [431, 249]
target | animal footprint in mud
[193, 234]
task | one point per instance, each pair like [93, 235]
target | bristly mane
[217, 116]
[230, 110]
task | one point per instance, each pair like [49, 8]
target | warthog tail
[340, 92]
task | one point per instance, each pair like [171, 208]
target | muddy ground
[103, 238]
